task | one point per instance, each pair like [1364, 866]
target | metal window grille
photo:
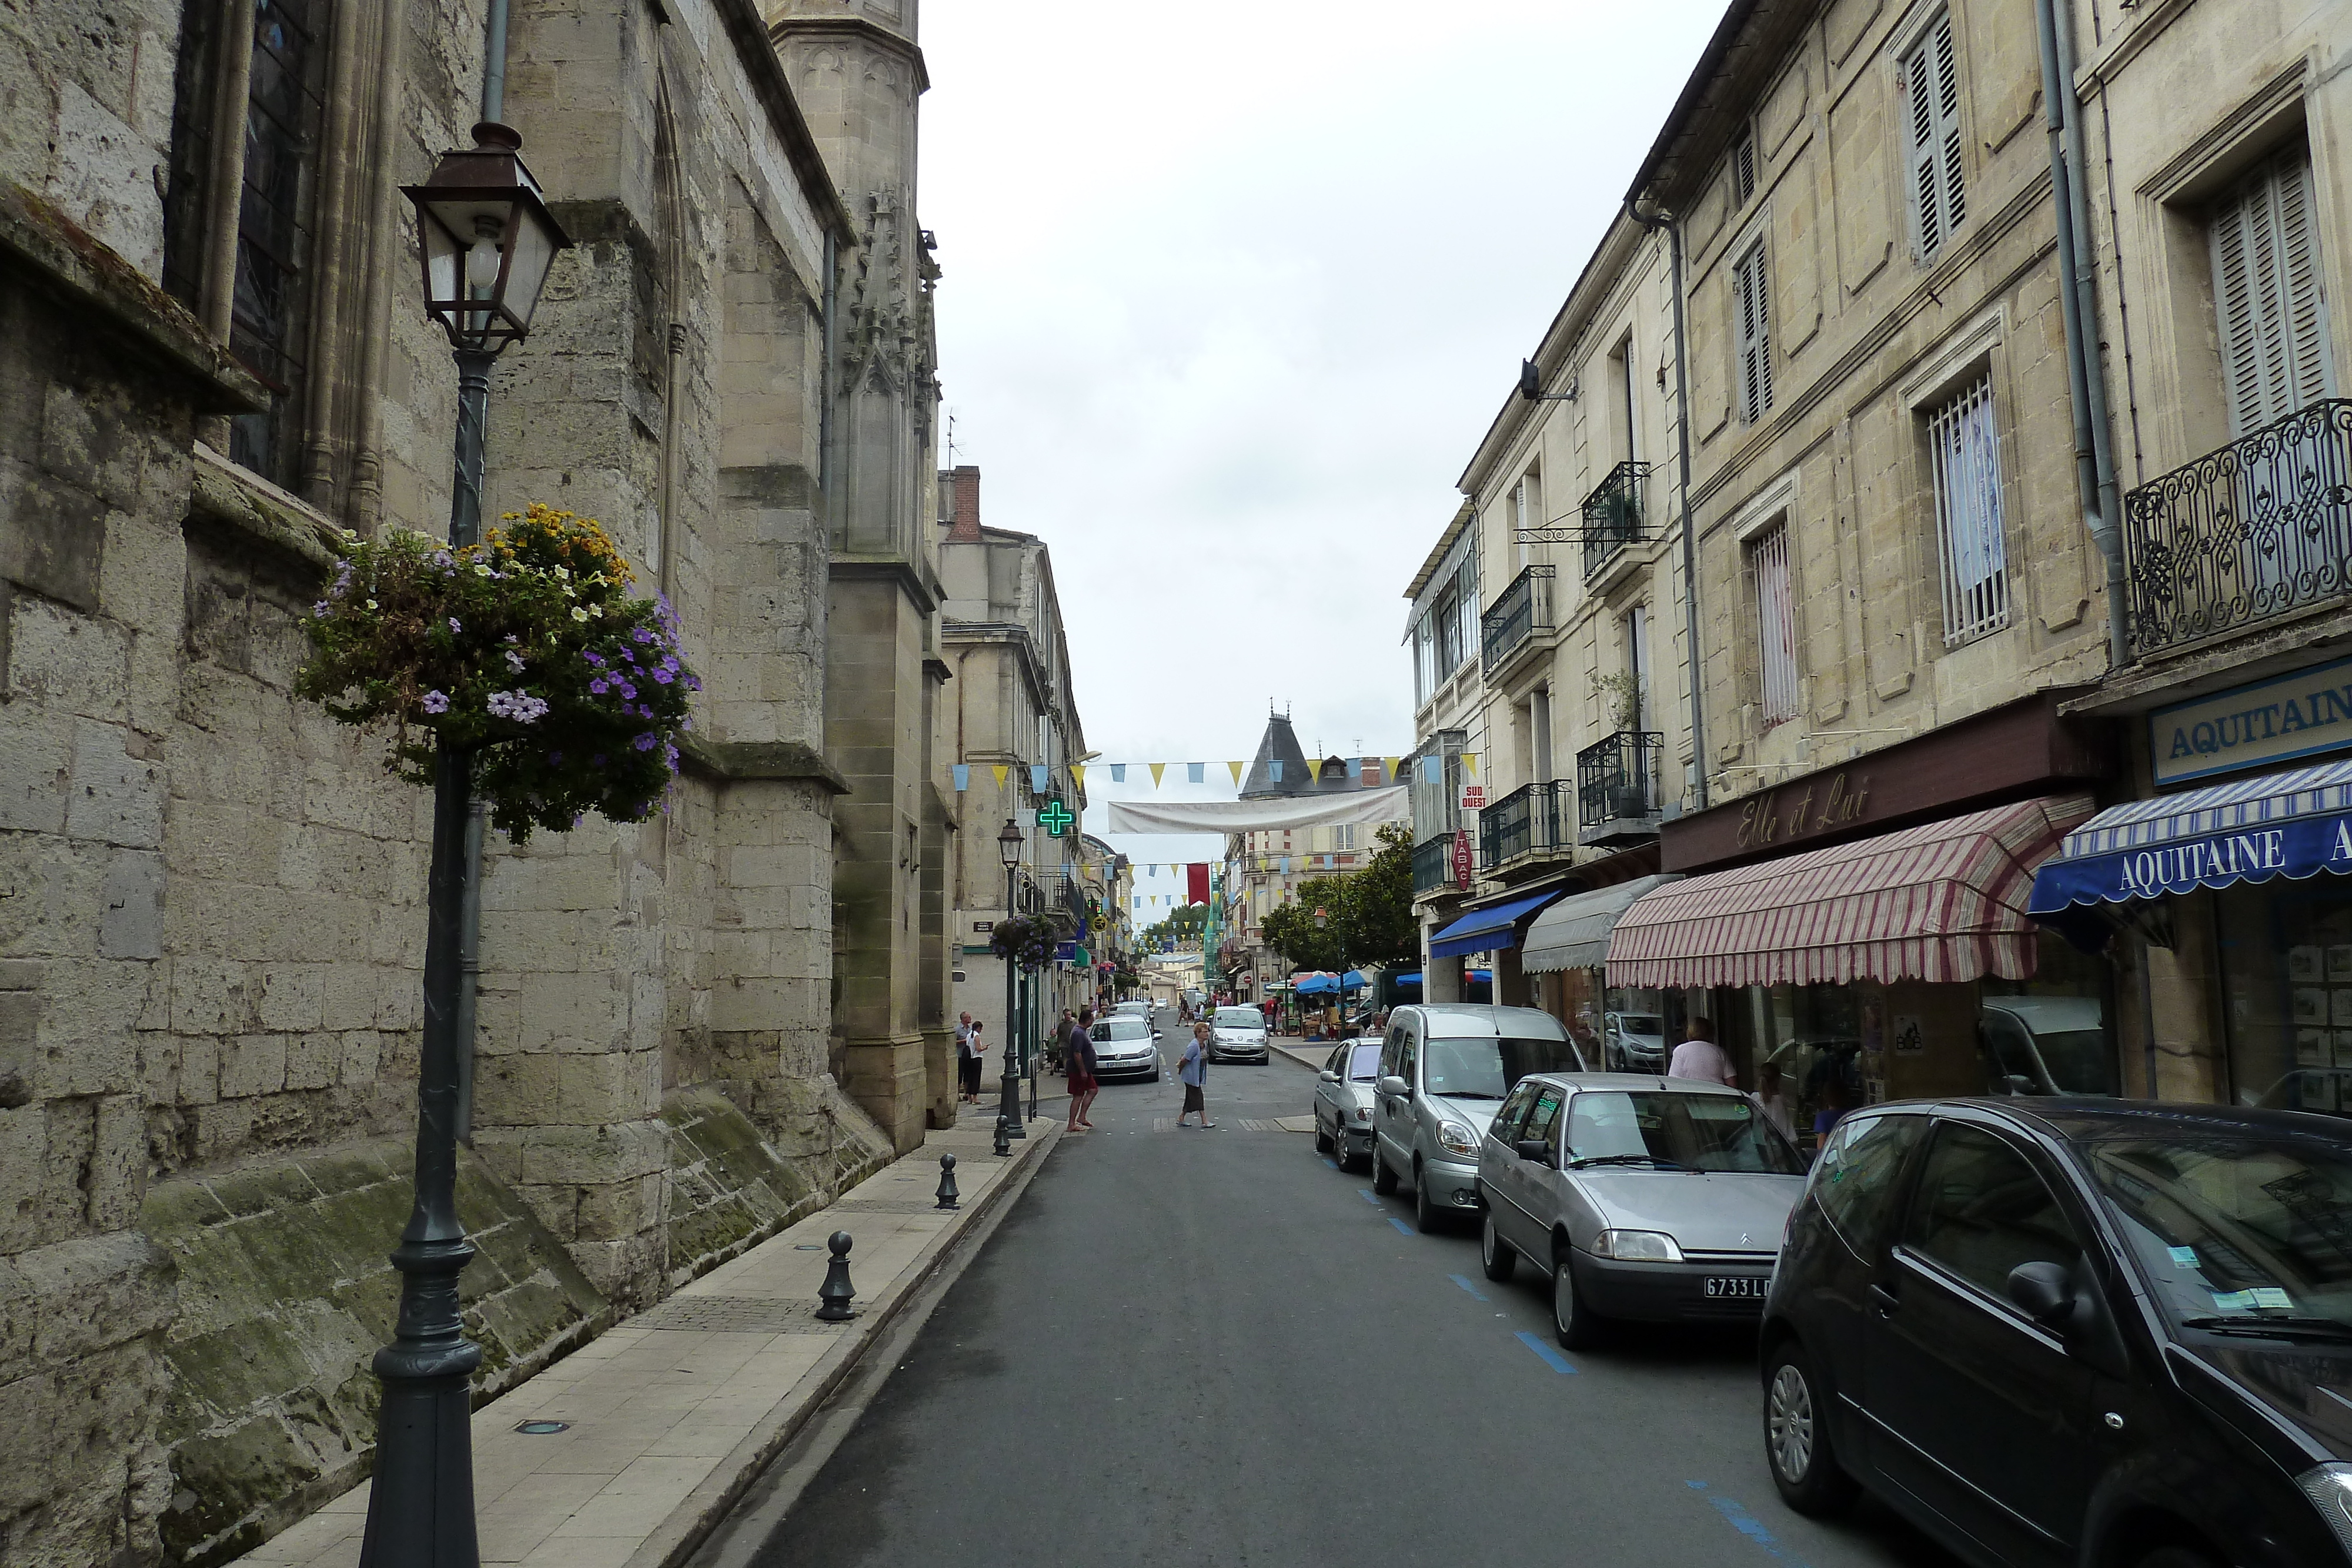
[1931, 83]
[1968, 539]
[1775, 624]
[1743, 171]
[1753, 312]
[2266, 288]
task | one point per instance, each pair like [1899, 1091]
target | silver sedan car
[1659, 1198]
[1343, 1101]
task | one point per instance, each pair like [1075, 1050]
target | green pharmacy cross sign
[1055, 818]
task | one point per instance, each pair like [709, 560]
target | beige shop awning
[1574, 933]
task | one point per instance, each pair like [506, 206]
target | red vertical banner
[1196, 882]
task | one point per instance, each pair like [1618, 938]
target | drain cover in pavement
[733, 1314]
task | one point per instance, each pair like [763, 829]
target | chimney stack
[964, 498]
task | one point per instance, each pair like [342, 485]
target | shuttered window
[2266, 288]
[1743, 172]
[1752, 313]
[1775, 624]
[1931, 86]
[1972, 551]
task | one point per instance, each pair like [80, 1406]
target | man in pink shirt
[1698, 1056]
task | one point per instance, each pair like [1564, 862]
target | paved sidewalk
[674, 1412]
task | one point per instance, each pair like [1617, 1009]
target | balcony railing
[1612, 515]
[1532, 817]
[1524, 610]
[2256, 530]
[1617, 779]
[1433, 865]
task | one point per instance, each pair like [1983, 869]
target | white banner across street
[1353, 806]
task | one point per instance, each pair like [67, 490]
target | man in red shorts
[1078, 1060]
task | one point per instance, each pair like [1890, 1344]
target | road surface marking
[1400, 1225]
[1368, 1196]
[1466, 1285]
[1552, 1358]
[1746, 1523]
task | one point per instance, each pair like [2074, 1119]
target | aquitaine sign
[2259, 725]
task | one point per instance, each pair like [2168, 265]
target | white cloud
[1231, 294]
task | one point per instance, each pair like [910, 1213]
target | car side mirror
[2045, 1292]
[1392, 1085]
[1534, 1149]
[1330, 1077]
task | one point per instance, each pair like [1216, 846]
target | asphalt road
[1214, 1347]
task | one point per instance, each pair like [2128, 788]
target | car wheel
[1494, 1255]
[1322, 1138]
[1796, 1436]
[1383, 1179]
[1427, 1216]
[1572, 1322]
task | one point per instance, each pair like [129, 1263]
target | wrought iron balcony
[1612, 515]
[1617, 786]
[1433, 865]
[1532, 817]
[2256, 530]
[1524, 610]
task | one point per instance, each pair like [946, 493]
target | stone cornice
[243, 500]
[911, 582]
[75, 265]
[872, 32]
[737, 761]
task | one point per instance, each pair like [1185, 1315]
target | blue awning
[1412, 980]
[2295, 824]
[1485, 930]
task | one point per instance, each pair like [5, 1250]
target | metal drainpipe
[2094, 462]
[469, 911]
[1690, 544]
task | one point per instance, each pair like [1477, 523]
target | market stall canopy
[2294, 824]
[1485, 930]
[1943, 901]
[1574, 933]
[1359, 807]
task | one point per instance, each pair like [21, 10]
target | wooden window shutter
[1752, 312]
[2267, 293]
[1931, 81]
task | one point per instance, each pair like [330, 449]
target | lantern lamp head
[1008, 844]
[487, 241]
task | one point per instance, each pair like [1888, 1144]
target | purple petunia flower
[597, 761]
[641, 635]
[514, 660]
[629, 690]
[436, 702]
[643, 742]
[693, 684]
[319, 610]
[593, 657]
[664, 676]
[598, 685]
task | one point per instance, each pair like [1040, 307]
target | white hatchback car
[1240, 1034]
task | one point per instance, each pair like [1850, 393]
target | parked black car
[2099, 1332]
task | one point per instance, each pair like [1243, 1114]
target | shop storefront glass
[2286, 975]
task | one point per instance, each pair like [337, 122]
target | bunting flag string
[1368, 771]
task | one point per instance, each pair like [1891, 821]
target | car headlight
[1363, 1112]
[2329, 1487]
[1457, 1138]
[1637, 1247]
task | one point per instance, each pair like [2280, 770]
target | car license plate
[1739, 1287]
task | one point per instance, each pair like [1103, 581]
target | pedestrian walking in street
[1078, 1062]
[1699, 1057]
[968, 1052]
[1772, 1094]
[1193, 1073]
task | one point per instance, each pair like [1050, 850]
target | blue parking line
[1332, 1163]
[1368, 1196]
[1466, 1285]
[1400, 1225]
[1552, 1358]
[1746, 1523]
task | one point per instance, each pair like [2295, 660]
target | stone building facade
[213, 926]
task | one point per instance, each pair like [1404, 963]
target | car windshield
[1703, 1132]
[1486, 1069]
[2236, 1230]
[1364, 1062]
[1122, 1028]
[1640, 1023]
[1240, 1018]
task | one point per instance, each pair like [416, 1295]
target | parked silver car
[1125, 1047]
[1343, 1101]
[1632, 1042]
[1444, 1067]
[1641, 1196]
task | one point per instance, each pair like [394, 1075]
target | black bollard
[834, 1295]
[1003, 1137]
[949, 1197]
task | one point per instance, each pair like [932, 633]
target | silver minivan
[1444, 1067]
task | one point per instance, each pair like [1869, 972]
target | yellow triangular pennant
[1000, 770]
[1079, 774]
[1156, 770]
[1470, 761]
[1392, 766]
[1237, 770]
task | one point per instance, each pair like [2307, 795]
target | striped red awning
[1945, 900]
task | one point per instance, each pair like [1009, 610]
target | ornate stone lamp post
[1008, 1112]
[487, 241]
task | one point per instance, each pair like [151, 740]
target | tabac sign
[2259, 725]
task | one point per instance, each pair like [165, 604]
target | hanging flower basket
[526, 650]
[1027, 941]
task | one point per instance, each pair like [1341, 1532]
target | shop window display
[2286, 971]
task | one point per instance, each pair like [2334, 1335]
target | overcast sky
[1232, 293]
